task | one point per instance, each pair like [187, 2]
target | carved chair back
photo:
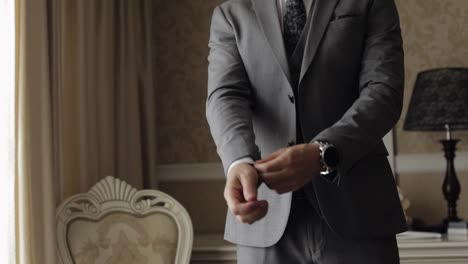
[116, 224]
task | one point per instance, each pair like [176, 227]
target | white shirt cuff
[241, 160]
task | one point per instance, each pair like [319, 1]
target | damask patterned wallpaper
[181, 44]
[435, 34]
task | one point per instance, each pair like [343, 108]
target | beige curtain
[34, 203]
[84, 108]
[103, 93]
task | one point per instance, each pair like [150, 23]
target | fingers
[271, 178]
[279, 181]
[249, 186]
[272, 165]
[245, 208]
[241, 194]
[258, 213]
[243, 178]
[233, 196]
[246, 212]
[271, 156]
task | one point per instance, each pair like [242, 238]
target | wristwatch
[329, 157]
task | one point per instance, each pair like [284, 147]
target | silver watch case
[323, 146]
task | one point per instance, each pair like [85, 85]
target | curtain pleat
[85, 108]
[107, 92]
[34, 200]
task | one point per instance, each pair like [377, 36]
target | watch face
[331, 157]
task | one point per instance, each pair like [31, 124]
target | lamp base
[451, 186]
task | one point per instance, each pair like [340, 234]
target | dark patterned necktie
[295, 18]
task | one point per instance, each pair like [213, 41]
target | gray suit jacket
[350, 94]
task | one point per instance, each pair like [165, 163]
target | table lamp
[440, 103]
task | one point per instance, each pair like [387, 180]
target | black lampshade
[440, 97]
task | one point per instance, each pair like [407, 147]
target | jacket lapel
[267, 15]
[321, 15]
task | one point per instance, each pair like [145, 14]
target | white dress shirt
[281, 6]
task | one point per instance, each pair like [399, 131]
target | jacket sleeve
[381, 83]
[229, 101]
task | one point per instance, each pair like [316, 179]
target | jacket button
[291, 143]
[291, 98]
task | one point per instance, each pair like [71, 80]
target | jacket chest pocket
[343, 42]
[343, 28]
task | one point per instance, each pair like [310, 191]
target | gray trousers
[308, 239]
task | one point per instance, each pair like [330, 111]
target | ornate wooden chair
[116, 224]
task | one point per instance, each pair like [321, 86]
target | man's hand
[288, 169]
[241, 194]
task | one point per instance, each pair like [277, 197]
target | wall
[181, 44]
[435, 35]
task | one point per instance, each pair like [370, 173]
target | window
[7, 130]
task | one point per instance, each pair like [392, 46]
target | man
[300, 95]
